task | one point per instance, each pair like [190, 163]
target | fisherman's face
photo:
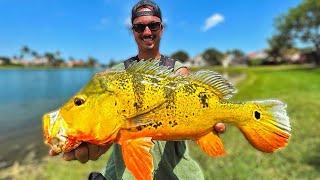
[149, 38]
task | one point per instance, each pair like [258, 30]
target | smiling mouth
[148, 39]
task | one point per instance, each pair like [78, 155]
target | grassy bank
[298, 87]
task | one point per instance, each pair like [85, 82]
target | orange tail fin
[269, 128]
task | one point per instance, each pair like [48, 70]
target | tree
[278, 44]
[302, 23]
[5, 60]
[57, 54]
[25, 50]
[35, 54]
[181, 56]
[111, 63]
[91, 61]
[51, 58]
[212, 56]
[236, 52]
[58, 62]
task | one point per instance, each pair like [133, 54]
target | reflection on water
[25, 95]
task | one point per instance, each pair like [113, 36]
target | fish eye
[257, 115]
[78, 101]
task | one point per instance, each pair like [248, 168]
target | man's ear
[162, 28]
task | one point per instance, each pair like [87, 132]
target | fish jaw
[55, 133]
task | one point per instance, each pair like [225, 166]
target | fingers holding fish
[53, 153]
[219, 128]
[82, 153]
[85, 152]
[93, 151]
[96, 151]
[68, 156]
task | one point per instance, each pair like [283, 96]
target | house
[226, 60]
[75, 63]
[39, 61]
[257, 55]
[232, 60]
[17, 61]
[197, 61]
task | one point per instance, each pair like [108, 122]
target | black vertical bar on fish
[139, 90]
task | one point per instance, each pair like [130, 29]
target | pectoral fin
[137, 157]
[141, 117]
[211, 144]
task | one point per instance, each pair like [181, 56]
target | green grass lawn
[298, 87]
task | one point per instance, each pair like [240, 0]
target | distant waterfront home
[196, 61]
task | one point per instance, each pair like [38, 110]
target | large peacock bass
[148, 102]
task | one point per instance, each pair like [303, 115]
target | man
[172, 158]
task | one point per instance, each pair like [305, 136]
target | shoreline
[44, 67]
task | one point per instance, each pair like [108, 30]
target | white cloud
[212, 21]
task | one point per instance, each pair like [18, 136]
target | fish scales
[189, 107]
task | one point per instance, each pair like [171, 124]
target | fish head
[89, 116]
[54, 131]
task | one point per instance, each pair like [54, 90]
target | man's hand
[84, 152]
[219, 128]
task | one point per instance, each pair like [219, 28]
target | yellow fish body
[147, 102]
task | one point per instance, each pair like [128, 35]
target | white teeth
[147, 38]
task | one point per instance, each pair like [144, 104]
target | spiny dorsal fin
[221, 86]
[150, 66]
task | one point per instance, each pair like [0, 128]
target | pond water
[25, 95]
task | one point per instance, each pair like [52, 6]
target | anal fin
[211, 144]
[137, 157]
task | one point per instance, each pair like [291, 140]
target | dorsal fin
[221, 86]
[151, 67]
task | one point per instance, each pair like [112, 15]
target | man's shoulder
[178, 64]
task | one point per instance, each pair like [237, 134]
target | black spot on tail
[257, 115]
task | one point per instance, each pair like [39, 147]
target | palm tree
[25, 50]
[51, 58]
[35, 54]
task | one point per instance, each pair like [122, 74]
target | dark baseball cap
[155, 11]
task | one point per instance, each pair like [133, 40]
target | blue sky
[99, 28]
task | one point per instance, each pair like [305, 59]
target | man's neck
[149, 55]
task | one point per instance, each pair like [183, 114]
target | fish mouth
[55, 133]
